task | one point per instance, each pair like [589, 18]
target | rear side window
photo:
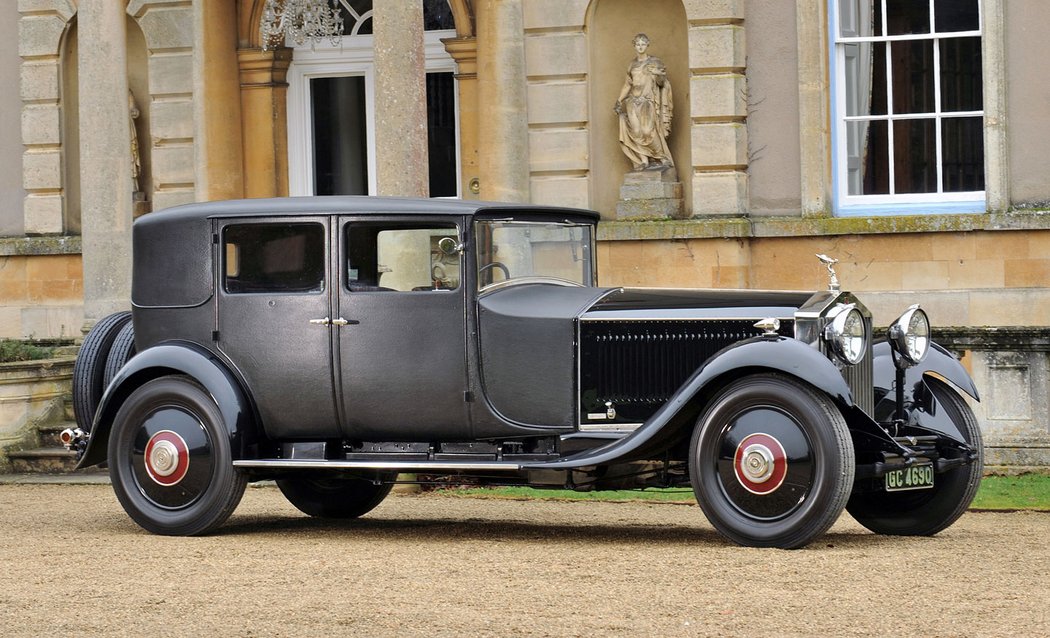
[274, 258]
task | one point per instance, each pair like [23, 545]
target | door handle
[345, 322]
[321, 322]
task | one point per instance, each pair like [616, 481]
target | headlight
[910, 335]
[846, 335]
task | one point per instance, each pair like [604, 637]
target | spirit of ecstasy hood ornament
[833, 286]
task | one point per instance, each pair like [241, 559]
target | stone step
[67, 409]
[67, 351]
[43, 460]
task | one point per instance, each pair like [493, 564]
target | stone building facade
[907, 143]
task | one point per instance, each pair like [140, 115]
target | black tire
[771, 462]
[120, 352]
[170, 459]
[926, 512]
[333, 497]
[89, 371]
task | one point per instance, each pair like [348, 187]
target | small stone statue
[136, 160]
[644, 108]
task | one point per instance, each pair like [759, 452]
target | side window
[274, 258]
[401, 258]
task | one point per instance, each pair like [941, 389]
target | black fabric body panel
[172, 261]
[528, 336]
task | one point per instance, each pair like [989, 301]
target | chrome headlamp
[846, 333]
[910, 335]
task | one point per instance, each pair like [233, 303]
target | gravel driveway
[72, 563]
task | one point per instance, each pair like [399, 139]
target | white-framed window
[331, 108]
[907, 106]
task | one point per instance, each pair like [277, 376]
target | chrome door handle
[321, 322]
[345, 322]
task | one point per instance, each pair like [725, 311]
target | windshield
[516, 250]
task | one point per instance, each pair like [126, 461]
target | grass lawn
[1025, 492]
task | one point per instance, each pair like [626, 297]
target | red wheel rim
[167, 458]
[760, 463]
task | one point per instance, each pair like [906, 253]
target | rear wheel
[926, 512]
[89, 371]
[771, 462]
[170, 459]
[120, 352]
[333, 497]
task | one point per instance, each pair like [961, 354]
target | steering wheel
[495, 264]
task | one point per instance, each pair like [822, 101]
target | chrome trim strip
[605, 427]
[304, 464]
[683, 318]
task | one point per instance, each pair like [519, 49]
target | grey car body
[332, 343]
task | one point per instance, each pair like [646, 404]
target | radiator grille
[637, 366]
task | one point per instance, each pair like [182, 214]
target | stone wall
[41, 288]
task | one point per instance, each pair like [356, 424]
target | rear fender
[677, 417]
[171, 358]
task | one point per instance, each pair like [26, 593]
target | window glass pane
[527, 250]
[914, 156]
[437, 15]
[907, 16]
[274, 258]
[340, 136]
[869, 166]
[961, 88]
[859, 18]
[382, 258]
[865, 78]
[357, 17]
[912, 76]
[956, 15]
[441, 134]
[962, 145]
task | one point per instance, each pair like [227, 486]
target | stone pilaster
[105, 158]
[40, 29]
[718, 89]
[465, 52]
[402, 165]
[503, 150]
[264, 120]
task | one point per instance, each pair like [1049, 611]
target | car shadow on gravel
[490, 530]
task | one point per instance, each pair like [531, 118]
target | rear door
[402, 351]
[274, 308]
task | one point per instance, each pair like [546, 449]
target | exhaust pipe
[73, 438]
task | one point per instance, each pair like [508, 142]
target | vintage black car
[337, 344]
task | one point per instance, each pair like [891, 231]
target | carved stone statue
[645, 110]
[136, 160]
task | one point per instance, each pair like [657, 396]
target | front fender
[182, 358]
[918, 400]
[760, 354]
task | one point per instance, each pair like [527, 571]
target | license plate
[915, 477]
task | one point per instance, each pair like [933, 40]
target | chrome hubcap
[757, 463]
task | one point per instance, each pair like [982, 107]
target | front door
[402, 351]
[273, 305]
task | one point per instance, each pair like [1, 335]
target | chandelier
[287, 21]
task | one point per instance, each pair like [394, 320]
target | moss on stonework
[746, 227]
[42, 245]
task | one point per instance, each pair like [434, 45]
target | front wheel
[771, 462]
[926, 512]
[170, 459]
[333, 497]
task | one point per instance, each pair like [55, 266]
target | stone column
[218, 157]
[105, 158]
[503, 132]
[402, 166]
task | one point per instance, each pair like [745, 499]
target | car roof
[355, 205]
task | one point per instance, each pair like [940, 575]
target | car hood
[674, 303]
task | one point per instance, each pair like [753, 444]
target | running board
[400, 466]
